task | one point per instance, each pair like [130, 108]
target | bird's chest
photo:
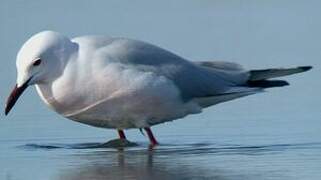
[116, 97]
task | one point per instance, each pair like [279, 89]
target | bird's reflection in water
[212, 161]
[137, 164]
[165, 162]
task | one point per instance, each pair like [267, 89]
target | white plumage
[122, 83]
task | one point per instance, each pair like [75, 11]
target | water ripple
[197, 148]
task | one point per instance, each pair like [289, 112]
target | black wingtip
[305, 68]
[6, 112]
[267, 83]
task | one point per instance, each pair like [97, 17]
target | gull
[122, 83]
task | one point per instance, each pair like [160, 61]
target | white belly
[142, 108]
[134, 111]
[146, 100]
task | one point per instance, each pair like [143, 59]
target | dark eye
[37, 62]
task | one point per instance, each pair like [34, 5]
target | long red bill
[14, 96]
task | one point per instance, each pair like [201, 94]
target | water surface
[272, 135]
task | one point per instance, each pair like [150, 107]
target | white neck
[54, 89]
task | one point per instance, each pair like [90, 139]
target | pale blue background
[273, 135]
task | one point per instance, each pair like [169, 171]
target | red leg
[121, 134]
[151, 137]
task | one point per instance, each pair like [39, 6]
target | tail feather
[256, 75]
[259, 78]
[253, 78]
[252, 82]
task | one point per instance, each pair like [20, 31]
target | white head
[42, 56]
[40, 60]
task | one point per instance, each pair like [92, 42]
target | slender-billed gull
[122, 83]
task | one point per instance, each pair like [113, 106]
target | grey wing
[192, 79]
[230, 71]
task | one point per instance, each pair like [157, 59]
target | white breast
[117, 96]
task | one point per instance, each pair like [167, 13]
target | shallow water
[272, 135]
[254, 150]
